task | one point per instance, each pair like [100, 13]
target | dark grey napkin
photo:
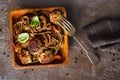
[104, 34]
[111, 47]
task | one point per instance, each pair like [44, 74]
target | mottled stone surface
[80, 13]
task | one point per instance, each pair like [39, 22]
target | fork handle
[91, 56]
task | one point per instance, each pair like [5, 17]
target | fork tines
[65, 24]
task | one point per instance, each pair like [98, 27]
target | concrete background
[80, 14]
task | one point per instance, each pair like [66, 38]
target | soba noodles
[37, 38]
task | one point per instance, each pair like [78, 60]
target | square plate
[14, 16]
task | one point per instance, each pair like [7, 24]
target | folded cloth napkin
[115, 47]
[104, 34]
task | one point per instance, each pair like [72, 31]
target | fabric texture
[104, 34]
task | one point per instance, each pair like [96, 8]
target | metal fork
[66, 25]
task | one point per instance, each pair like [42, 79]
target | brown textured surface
[80, 13]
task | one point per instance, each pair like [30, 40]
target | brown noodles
[44, 40]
